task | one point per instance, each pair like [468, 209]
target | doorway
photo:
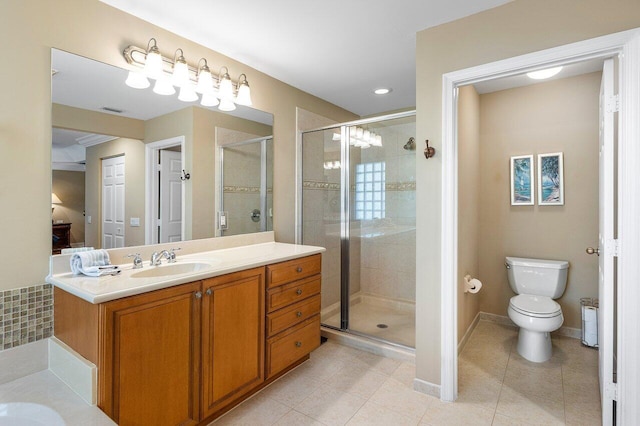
[113, 190]
[627, 43]
[164, 191]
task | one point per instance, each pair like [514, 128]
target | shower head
[410, 145]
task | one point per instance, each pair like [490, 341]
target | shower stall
[246, 186]
[358, 200]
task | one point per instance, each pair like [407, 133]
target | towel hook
[429, 151]
[185, 176]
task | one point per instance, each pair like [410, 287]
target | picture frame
[522, 183]
[551, 179]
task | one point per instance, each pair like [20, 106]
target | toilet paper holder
[471, 285]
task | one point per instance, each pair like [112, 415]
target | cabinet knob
[298, 314]
[209, 292]
[299, 291]
[298, 344]
[198, 295]
[299, 269]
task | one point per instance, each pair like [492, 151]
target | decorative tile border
[26, 315]
[389, 186]
[244, 189]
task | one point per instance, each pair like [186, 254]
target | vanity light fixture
[363, 139]
[543, 74]
[170, 74]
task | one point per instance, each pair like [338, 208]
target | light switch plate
[135, 221]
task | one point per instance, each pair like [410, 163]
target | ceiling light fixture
[543, 74]
[382, 91]
[191, 81]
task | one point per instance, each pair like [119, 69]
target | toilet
[536, 282]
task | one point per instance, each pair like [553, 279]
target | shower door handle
[591, 250]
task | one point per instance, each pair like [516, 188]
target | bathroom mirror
[131, 167]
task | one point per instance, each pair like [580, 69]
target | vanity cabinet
[293, 311]
[186, 354]
[150, 357]
[232, 338]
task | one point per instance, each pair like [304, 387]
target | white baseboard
[74, 370]
[23, 360]
[425, 387]
[467, 334]
[574, 333]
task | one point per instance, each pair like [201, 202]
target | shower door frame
[263, 178]
[345, 212]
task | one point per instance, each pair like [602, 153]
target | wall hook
[185, 175]
[429, 151]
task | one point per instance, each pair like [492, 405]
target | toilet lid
[539, 306]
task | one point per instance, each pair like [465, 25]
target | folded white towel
[93, 263]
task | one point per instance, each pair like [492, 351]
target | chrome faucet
[156, 257]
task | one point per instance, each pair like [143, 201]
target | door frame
[626, 44]
[151, 182]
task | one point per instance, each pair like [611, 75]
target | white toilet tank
[538, 277]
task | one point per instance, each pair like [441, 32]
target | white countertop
[216, 262]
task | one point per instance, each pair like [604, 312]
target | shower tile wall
[388, 246]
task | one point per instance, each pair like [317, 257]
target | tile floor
[344, 386]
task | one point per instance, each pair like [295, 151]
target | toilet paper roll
[474, 286]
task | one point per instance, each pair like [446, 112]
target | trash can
[589, 308]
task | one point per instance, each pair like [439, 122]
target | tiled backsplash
[26, 315]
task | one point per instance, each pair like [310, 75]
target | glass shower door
[321, 213]
[247, 174]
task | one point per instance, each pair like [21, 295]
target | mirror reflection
[130, 167]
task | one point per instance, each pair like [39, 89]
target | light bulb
[180, 73]
[365, 136]
[244, 93]
[153, 63]
[205, 81]
[187, 94]
[137, 80]
[378, 140]
[359, 132]
[209, 99]
[226, 105]
[163, 87]
[226, 87]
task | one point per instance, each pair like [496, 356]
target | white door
[606, 243]
[113, 202]
[170, 203]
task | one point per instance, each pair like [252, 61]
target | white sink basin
[171, 269]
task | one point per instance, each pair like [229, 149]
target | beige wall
[92, 29]
[558, 116]
[69, 187]
[133, 151]
[468, 198]
[66, 117]
[516, 28]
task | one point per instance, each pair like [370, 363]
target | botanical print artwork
[522, 180]
[550, 179]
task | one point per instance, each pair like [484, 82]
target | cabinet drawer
[291, 293]
[284, 350]
[292, 270]
[292, 315]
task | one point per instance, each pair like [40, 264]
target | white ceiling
[337, 50]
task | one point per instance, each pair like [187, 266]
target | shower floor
[367, 312]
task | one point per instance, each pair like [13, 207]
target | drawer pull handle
[298, 314]
[198, 295]
[209, 292]
[299, 269]
[298, 344]
[299, 291]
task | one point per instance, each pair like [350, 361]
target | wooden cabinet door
[232, 338]
[150, 357]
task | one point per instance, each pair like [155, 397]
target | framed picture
[550, 179]
[522, 180]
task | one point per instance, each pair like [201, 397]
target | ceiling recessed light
[382, 91]
[542, 74]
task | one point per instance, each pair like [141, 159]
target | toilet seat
[535, 306]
